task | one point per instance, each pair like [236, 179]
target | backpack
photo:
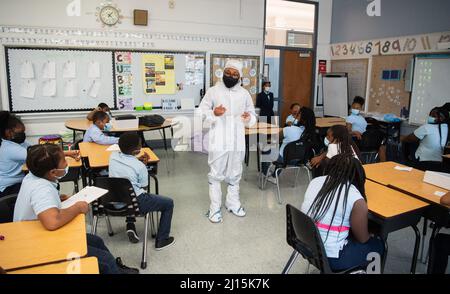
[153, 120]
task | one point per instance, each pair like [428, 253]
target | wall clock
[109, 14]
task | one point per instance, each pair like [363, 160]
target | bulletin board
[148, 77]
[250, 71]
[388, 96]
[357, 75]
[56, 79]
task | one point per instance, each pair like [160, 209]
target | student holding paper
[39, 199]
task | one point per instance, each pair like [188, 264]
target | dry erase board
[335, 94]
[357, 75]
[49, 79]
[146, 76]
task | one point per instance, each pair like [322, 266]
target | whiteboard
[39, 102]
[335, 95]
[431, 86]
[139, 96]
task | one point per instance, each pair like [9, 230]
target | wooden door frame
[299, 49]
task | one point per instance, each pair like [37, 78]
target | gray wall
[350, 21]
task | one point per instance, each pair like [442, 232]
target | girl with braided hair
[337, 204]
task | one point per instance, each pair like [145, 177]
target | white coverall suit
[226, 141]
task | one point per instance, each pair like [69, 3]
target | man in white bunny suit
[228, 108]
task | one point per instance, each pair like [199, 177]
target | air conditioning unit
[444, 46]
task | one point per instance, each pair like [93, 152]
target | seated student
[440, 250]
[337, 141]
[95, 132]
[101, 107]
[292, 119]
[124, 164]
[433, 138]
[39, 199]
[305, 128]
[337, 204]
[356, 123]
[13, 153]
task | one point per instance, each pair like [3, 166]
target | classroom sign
[427, 43]
[158, 74]
[124, 80]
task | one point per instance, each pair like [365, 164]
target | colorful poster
[159, 74]
[194, 70]
[124, 80]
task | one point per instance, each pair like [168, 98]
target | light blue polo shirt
[128, 166]
[431, 146]
[359, 123]
[12, 158]
[95, 135]
[36, 195]
[291, 119]
[290, 134]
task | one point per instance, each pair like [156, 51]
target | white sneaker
[239, 212]
[215, 217]
[272, 179]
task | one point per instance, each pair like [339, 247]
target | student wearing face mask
[95, 132]
[432, 138]
[101, 107]
[13, 153]
[356, 123]
[227, 108]
[264, 101]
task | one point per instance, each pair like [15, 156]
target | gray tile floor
[255, 244]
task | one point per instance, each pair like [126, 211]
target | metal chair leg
[290, 262]
[416, 249]
[424, 233]
[152, 226]
[307, 268]
[278, 185]
[94, 225]
[297, 171]
[308, 171]
[108, 224]
[144, 247]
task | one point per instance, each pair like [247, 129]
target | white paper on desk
[94, 70]
[28, 89]
[94, 89]
[70, 88]
[439, 193]
[49, 70]
[69, 70]
[49, 88]
[88, 195]
[113, 147]
[403, 168]
[27, 70]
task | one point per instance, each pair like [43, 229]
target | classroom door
[296, 82]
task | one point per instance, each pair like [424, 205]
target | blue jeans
[106, 261]
[354, 254]
[150, 203]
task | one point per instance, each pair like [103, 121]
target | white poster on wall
[49, 70]
[70, 88]
[69, 70]
[27, 70]
[49, 88]
[28, 89]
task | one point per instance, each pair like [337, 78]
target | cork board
[250, 71]
[357, 75]
[388, 96]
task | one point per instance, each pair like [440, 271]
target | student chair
[119, 201]
[304, 237]
[295, 155]
[370, 144]
[7, 208]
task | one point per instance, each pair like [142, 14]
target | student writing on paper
[13, 153]
[125, 164]
[95, 132]
[39, 199]
[337, 204]
[432, 138]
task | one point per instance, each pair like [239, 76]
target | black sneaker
[163, 244]
[131, 232]
[125, 269]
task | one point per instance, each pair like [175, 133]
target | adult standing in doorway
[264, 101]
[228, 109]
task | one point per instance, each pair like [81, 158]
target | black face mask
[19, 138]
[230, 82]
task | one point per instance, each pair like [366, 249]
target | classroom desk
[392, 211]
[327, 122]
[29, 244]
[409, 182]
[84, 266]
[83, 124]
[260, 128]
